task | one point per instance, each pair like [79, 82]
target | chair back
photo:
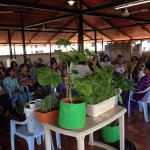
[146, 97]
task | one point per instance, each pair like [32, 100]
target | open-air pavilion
[41, 22]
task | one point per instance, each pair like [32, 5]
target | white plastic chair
[22, 132]
[142, 103]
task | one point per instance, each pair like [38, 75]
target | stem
[70, 81]
[67, 82]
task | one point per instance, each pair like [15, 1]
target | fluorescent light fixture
[139, 2]
[71, 2]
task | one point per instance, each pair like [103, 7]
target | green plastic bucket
[111, 134]
[72, 115]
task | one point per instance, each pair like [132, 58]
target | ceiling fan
[126, 13]
[43, 28]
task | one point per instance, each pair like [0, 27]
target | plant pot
[110, 134]
[72, 115]
[97, 109]
[46, 117]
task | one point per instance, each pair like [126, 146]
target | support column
[14, 52]
[80, 24]
[102, 45]
[9, 41]
[50, 48]
[95, 40]
[23, 39]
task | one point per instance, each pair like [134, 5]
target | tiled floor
[136, 130]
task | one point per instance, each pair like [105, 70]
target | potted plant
[47, 109]
[69, 115]
[72, 113]
[103, 94]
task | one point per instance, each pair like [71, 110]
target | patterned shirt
[11, 84]
[143, 84]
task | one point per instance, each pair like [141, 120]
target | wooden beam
[38, 6]
[117, 28]
[98, 30]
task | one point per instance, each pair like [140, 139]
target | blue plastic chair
[22, 132]
[142, 103]
[29, 94]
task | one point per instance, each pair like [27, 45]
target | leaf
[55, 79]
[46, 76]
[83, 88]
[63, 42]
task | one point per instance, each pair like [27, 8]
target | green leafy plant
[74, 57]
[63, 42]
[102, 84]
[121, 82]
[48, 103]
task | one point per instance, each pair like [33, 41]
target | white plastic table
[92, 125]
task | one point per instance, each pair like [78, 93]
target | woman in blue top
[11, 85]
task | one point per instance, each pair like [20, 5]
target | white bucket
[28, 110]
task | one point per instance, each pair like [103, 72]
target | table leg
[122, 139]
[80, 143]
[90, 139]
[47, 138]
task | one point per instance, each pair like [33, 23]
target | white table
[92, 125]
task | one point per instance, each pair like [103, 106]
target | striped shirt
[143, 84]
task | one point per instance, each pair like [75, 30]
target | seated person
[4, 102]
[11, 85]
[25, 78]
[120, 67]
[143, 84]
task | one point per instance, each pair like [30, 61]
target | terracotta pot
[46, 117]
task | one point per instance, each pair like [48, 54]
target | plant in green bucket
[72, 114]
[110, 133]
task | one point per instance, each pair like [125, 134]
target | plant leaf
[63, 42]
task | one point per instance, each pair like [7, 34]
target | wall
[34, 57]
[120, 48]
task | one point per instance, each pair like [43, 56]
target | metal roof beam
[34, 35]
[51, 20]
[71, 36]
[47, 31]
[88, 37]
[89, 10]
[116, 29]
[145, 29]
[37, 6]
[118, 17]
[109, 23]
[96, 29]
[60, 31]
[127, 26]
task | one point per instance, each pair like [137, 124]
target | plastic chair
[142, 103]
[29, 94]
[23, 132]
